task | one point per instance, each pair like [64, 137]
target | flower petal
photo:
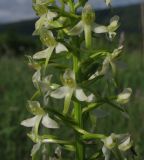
[69, 74]
[109, 142]
[124, 97]
[51, 15]
[44, 54]
[80, 95]
[30, 122]
[45, 84]
[60, 92]
[48, 122]
[106, 153]
[36, 78]
[77, 29]
[91, 98]
[103, 70]
[60, 48]
[114, 22]
[100, 29]
[108, 2]
[124, 146]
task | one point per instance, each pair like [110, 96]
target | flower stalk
[65, 73]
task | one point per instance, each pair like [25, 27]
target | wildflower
[48, 39]
[110, 29]
[107, 62]
[87, 25]
[70, 87]
[44, 84]
[122, 141]
[124, 96]
[35, 108]
[108, 2]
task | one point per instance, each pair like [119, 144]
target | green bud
[88, 15]
[35, 108]
[47, 37]
[40, 9]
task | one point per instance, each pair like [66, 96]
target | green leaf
[56, 141]
[91, 106]
[89, 136]
[94, 156]
[69, 148]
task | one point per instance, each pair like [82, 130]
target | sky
[16, 10]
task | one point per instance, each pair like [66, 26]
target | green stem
[88, 36]
[71, 5]
[78, 118]
[117, 154]
[79, 145]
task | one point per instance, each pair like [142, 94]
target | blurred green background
[16, 86]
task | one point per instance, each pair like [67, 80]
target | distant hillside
[130, 20]
[22, 27]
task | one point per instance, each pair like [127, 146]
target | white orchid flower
[44, 84]
[44, 21]
[87, 25]
[109, 142]
[108, 2]
[49, 40]
[40, 115]
[122, 141]
[70, 87]
[110, 29]
[107, 62]
[124, 96]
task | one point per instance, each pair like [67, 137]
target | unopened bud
[88, 15]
